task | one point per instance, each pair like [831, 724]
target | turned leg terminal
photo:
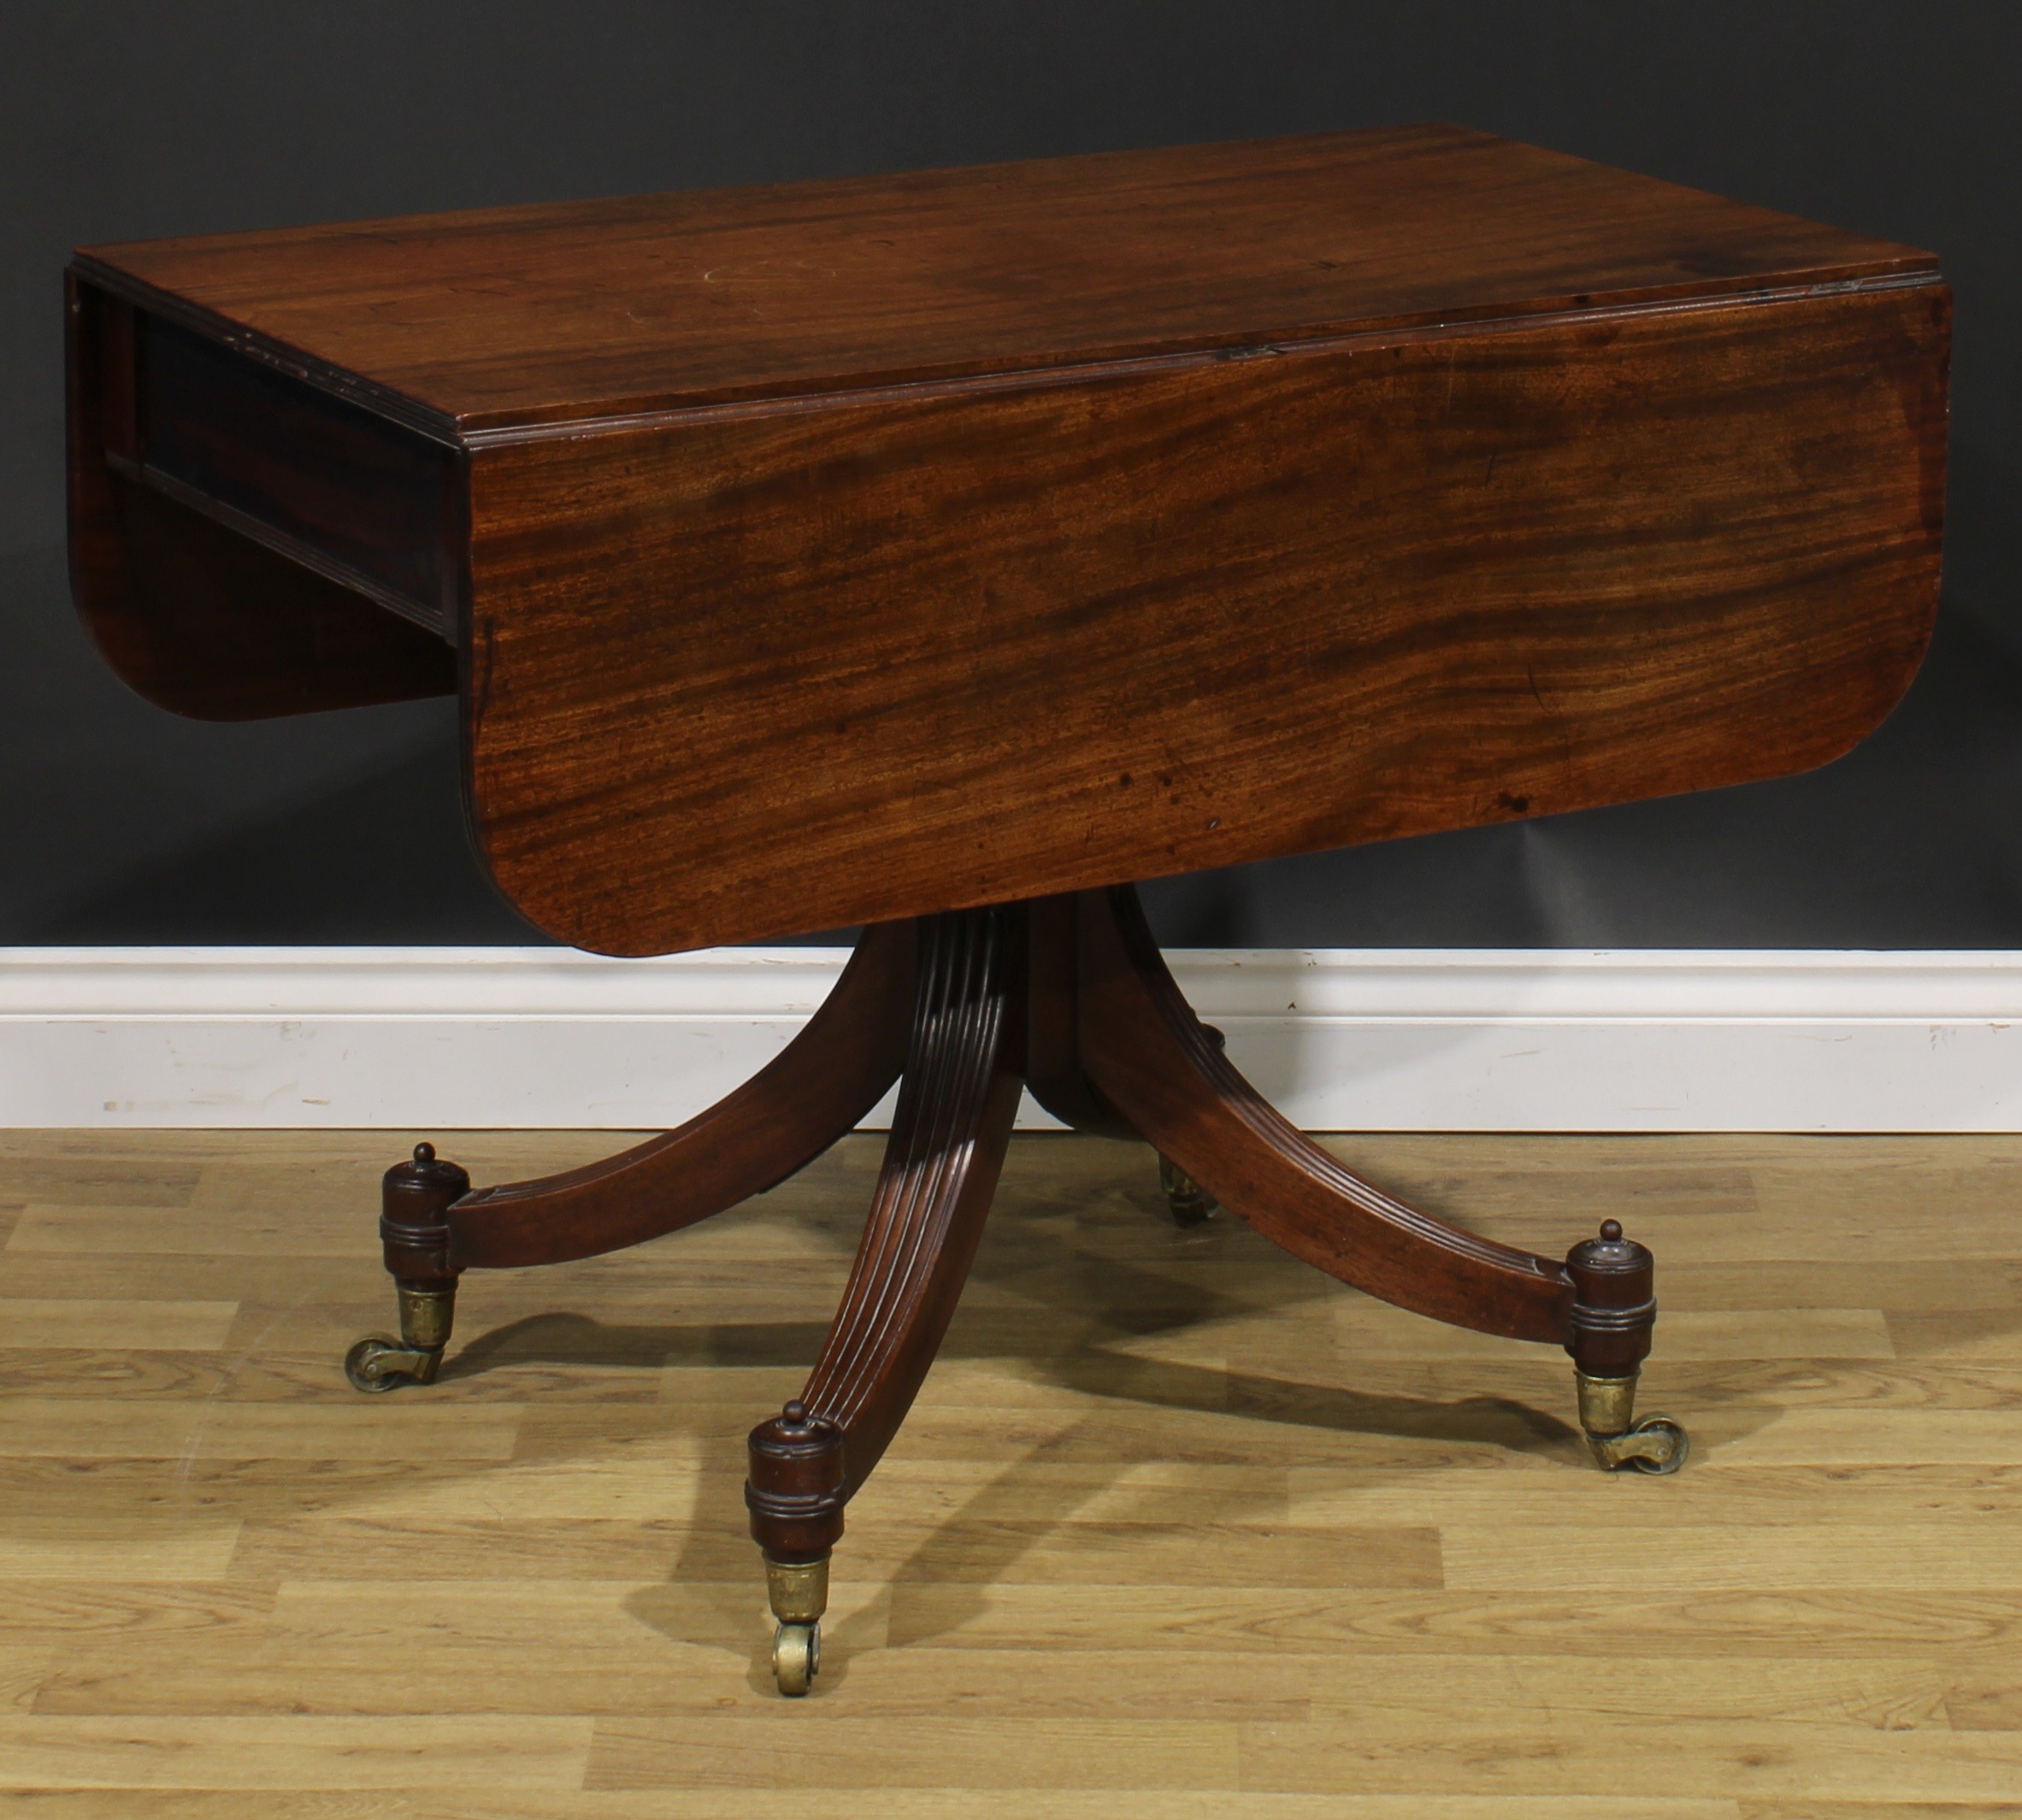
[1613, 1311]
[415, 1199]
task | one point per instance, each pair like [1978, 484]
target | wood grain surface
[513, 316]
[1178, 1526]
[882, 656]
[839, 553]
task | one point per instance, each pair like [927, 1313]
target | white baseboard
[1393, 1040]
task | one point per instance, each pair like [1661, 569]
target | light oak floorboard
[132, 1325]
[939, 1803]
[1179, 1528]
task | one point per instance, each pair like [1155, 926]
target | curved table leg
[1053, 1072]
[817, 1088]
[959, 1097]
[1148, 1055]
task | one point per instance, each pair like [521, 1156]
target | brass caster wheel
[796, 1658]
[1608, 1413]
[1189, 1202]
[1655, 1445]
[378, 1363]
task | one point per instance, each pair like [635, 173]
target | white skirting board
[1341, 1040]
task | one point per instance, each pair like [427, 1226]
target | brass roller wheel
[796, 1658]
[363, 1364]
[1667, 1442]
[379, 1363]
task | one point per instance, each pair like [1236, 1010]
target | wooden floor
[1178, 1529]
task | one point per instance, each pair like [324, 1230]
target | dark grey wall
[119, 119]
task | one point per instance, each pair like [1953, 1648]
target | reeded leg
[956, 1105]
[1155, 1062]
[780, 1120]
[1148, 1055]
[1053, 1072]
[415, 1198]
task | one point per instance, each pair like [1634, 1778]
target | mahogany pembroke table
[941, 553]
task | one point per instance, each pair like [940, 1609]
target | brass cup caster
[379, 1363]
[1189, 1202]
[1618, 1441]
[799, 1591]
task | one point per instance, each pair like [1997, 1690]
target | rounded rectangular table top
[497, 317]
[830, 553]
